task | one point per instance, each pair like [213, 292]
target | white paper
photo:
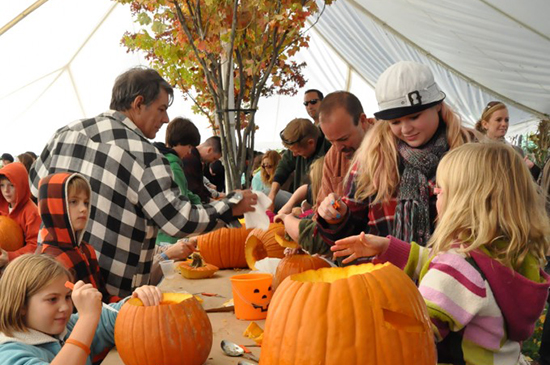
[268, 265]
[258, 218]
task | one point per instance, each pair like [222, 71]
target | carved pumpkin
[196, 268]
[261, 244]
[11, 234]
[357, 315]
[295, 264]
[285, 243]
[224, 247]
[176, 332]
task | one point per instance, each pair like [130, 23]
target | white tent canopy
[479, 50]
[61, 60]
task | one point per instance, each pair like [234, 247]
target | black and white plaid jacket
[133, 195]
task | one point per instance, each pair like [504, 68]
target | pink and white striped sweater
[480, 309]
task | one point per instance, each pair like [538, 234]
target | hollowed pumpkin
[285, 243]
[176, 332]
[197, 268]
[224, 247]
[357, 315]
[11, 234]
[261, 244]
[295, 264]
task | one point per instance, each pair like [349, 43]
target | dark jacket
[299, 165]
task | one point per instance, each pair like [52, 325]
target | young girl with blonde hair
[390, 185]
[36, 320]
[481, 277]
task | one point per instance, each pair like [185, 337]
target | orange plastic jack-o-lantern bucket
[251, 295]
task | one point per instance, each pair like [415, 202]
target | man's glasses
[288, 142]
[312, 102]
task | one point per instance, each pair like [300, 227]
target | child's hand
[360, 246]
[86, 299]
[291, 251]
[280, 218]
[528, 162]
[332, 209]
[149, 295]
[181, 249]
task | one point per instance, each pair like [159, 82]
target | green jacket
[181, 181]
[299, 165]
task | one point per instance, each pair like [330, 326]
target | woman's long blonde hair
[24, 277]
[490, 195]
[316, 177]
[377, 158]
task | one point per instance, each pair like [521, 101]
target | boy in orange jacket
[16, 203]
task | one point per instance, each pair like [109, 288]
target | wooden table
[225, 326]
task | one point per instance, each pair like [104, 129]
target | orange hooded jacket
[24, 211]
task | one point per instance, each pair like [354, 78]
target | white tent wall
[58, 65]
[479, 52]
[43, 88]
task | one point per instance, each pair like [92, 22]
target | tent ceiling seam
[92, 33]
[445, 65]
[71, 77]
[515, 20]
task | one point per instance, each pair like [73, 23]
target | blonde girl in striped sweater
[480, 274]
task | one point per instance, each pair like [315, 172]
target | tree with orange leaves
[189, 42]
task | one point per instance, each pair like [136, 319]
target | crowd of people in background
[457, 208]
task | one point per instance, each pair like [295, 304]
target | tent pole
[20, 17]
[348, 79]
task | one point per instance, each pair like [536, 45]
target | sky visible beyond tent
[53, 73]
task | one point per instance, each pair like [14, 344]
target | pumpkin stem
[197, 260]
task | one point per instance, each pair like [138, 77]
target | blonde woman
[482, 277]
[263, 179]
[390, 188]
[494, 123]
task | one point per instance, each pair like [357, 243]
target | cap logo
[415, 98]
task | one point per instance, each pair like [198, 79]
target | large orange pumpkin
[295, 264]
[11, 234]
[176, 332]
[224, 247]
[261, 244]
[357, 315]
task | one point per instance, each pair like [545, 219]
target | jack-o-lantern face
[262, 298]
[252, 294]
[361, 315]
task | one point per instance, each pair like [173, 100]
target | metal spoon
[234, 350]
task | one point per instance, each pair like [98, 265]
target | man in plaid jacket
[134, 193]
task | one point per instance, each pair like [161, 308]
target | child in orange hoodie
[64, 201]
[16, 203]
